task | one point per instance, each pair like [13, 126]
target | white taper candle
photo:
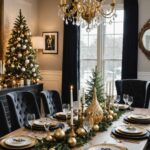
[79, 101]
[71, 103]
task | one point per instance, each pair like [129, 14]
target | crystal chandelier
[86, 12]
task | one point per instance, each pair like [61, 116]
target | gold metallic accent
[72, 141]
[86, 11]
[94, 111]
[144, 29]
[81, 132]
[72, 132]
[59, 134]
[96, 127]
[2, 143]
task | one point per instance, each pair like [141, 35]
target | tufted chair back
[20, 104]
[4, 126]
[147, 104]
[135, 88]
[51, 102]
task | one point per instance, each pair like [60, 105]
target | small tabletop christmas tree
[95, 81]
[20, 61]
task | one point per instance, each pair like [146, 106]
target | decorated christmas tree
[20, 61]
[97, 82]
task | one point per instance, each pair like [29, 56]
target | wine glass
[46, 125]
[30, 119]
[117, 100]
[66, 108]
[130, 101]
[125, 98]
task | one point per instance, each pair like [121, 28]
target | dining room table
[100, 137]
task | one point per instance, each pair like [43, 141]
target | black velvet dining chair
[136, 88]
[20, 104]
[51, 102]
[4, 125]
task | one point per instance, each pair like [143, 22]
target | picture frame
[50, 42]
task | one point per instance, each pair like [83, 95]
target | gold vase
[94, 112]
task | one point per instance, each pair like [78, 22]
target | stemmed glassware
[117, 100]
[30, 119]
[130, 101]
[66, 110]
[125, 98]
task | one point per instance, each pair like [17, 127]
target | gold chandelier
[86, 12]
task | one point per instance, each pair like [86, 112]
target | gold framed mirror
[144, 39]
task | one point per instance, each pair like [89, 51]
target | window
[88, 54]
[102, 47]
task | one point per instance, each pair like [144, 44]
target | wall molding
[52, 79]
[144, 75]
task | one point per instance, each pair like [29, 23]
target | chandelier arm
[110, 13]
[86, 12]
[70, 13]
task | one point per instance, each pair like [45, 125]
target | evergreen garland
[94, 81]
[63, 145]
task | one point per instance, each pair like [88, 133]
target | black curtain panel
[130, 40]
[71, 58]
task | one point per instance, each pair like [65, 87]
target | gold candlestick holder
[82, 116]
[72, 132]
[109, 98]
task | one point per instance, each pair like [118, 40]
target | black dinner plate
[145, 136]
[51, 128]
[136, 121]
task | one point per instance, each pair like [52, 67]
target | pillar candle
[71, 103]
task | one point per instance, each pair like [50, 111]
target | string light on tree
[20, 56]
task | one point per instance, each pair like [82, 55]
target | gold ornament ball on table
[49, 138]
[81, 132]
[115, 115]
[59, 134]
[110, 117]
[111, 112]
[72, 141]
[96, 127]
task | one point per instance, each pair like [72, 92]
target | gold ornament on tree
[94, 112]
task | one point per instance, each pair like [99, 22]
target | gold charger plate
[43, 121]
[130, 129]
[3, 144]
[105, 145]
[18, 141]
